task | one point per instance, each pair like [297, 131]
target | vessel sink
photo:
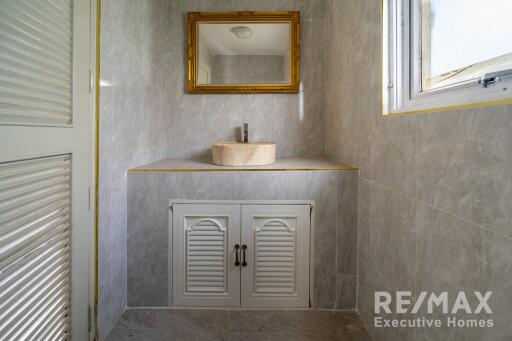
[244, 154]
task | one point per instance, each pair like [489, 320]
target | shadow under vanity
[330, 186]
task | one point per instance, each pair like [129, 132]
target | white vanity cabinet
[240, 254]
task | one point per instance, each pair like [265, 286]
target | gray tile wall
[435, 193]
[293, 121]
[335, 225]
[132, 101]
[147, 115]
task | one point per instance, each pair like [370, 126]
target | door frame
[311, 204]
[94, 147]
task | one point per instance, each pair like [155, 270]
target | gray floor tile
[210, 324]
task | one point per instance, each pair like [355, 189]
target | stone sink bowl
[244, 154]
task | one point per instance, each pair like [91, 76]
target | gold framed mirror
[243, 52]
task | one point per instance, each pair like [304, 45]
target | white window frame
[402, 89]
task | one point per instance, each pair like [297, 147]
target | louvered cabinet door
[204, 270]
[276, 238]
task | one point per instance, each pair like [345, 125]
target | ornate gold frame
[195, 17]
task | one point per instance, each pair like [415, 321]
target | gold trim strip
[240, 170]
[452, 107]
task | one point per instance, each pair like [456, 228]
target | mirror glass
[243, 53]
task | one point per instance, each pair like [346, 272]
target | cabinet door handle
[244, 247]
[237, 262]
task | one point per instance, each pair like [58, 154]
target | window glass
[464, 39]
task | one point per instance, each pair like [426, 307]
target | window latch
[494, 77]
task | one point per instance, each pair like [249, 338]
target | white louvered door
[277, 242]
[204, 256]
[45, 168]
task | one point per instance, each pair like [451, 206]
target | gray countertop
[204, 165]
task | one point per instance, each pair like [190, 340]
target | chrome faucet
[246, 133]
